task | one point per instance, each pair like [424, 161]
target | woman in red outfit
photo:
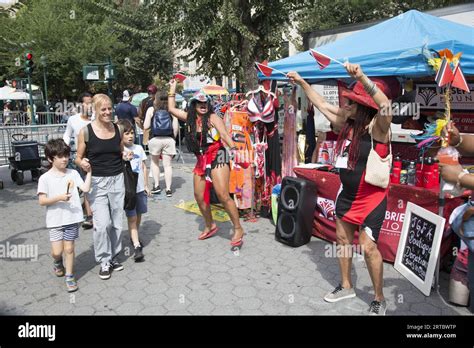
[359, 205]
[204, 131]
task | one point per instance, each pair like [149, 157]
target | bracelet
[171, 94]
[370, 88]
[460, 142]
[460, 176]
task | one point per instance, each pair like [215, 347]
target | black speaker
[295, 211]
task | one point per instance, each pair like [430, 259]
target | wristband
[171, 94]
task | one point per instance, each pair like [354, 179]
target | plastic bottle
[448, 155]
[436, 174]
[325, 154]
[411, 174]
[419, 172]
[397, 163]
[395, 177]
[403, 177]
[428, 173]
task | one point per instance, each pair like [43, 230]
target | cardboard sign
[419, 245]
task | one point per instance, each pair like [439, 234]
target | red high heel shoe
[237, 243]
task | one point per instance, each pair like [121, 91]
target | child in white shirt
[57, 190]
[137, 157]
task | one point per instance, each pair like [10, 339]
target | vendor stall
[324, 225]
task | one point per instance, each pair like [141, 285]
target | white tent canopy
[10, 93]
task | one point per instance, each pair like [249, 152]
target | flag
[459, 80]
[179, 76]
[264, 69]
[444, 75]
[323, 61]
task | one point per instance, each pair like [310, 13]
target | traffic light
[29, 64]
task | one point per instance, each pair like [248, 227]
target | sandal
[238, 243]
[209, 234]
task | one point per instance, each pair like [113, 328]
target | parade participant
[203, 137]
[57, 190]
[455, 174]
[163, 131]
[138, 163]
[359, 206]
[100, 148]
[74, 125]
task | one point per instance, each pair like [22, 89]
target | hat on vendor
[388, 85]
[200, 97]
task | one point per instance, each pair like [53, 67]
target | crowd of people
[92, 158]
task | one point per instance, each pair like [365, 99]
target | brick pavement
[185, 276]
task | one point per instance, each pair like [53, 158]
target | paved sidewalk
[182, 275]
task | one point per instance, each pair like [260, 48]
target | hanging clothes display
[289, 154]
[267, 148]
[241, 183]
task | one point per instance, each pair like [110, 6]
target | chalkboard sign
[418, 248]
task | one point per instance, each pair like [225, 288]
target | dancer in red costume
[359, 206]
[205, 132]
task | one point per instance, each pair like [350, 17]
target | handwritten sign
[419, 245]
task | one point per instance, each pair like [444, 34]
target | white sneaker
[339, 293]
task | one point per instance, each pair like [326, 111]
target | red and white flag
[444, 75]
[264, 69]
[323, 60]
[459, 81]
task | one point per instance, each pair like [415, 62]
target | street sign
[90, 72]
[109, 72]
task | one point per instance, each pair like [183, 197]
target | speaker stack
[295, 211]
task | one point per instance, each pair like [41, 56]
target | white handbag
[377, 171]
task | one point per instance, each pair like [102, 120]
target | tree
[227, 36]
[321, 15]
[73, 33]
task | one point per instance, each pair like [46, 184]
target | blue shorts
[141, 207]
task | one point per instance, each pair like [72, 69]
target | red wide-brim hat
[389, 85]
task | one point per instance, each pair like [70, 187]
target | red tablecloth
[324, 225]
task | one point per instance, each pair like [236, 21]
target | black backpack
[162, 124]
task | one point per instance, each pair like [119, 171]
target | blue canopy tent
[394, 47]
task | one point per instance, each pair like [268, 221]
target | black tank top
[105, 156]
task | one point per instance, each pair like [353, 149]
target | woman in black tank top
[100, 148]
[105, 155]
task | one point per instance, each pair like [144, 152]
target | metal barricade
[39, 133]
[22, 118]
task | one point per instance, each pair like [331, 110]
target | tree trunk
[247, 48]
[249, 79]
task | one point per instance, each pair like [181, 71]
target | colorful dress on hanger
[240, 181]
[262, 111]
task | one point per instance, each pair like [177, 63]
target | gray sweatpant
[107, 199]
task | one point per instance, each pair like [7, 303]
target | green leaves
[73, 33]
